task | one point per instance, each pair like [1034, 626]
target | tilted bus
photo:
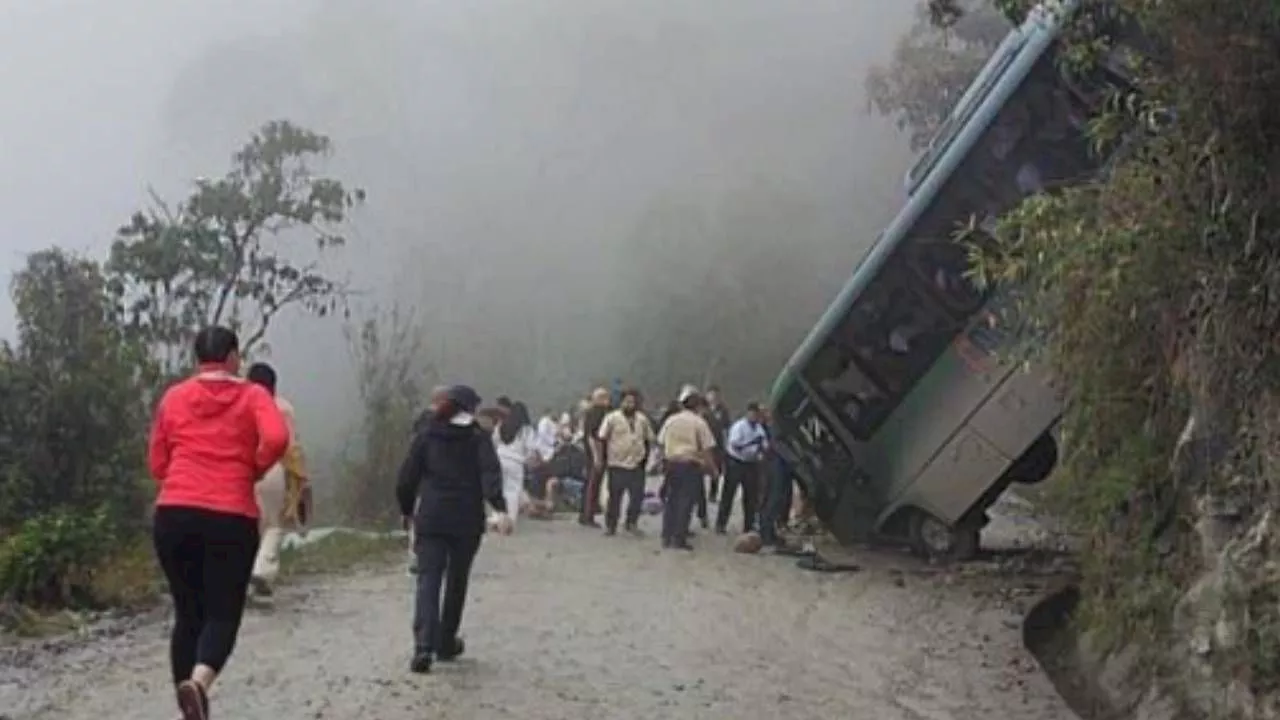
[895, 412]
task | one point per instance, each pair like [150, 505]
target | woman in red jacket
[213, 437]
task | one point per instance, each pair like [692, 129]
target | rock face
[1219, 626]
[1218, 630]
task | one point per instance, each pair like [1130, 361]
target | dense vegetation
[96, 343]
[1157, 291]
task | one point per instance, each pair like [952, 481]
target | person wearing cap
[687, 446]
[450, 472]
[747, 443]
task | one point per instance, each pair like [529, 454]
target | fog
[538, 172]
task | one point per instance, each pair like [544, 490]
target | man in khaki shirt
[687, 445]
[626, 437]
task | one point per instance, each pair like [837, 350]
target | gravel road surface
[564, 624]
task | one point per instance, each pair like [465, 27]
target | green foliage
[235, 251]
[71, 436]
[50, 559]
[74, 412]
[1154, 294]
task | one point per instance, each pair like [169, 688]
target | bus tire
[1037, 463]
[934, 540]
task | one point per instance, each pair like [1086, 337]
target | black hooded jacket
[451, 471]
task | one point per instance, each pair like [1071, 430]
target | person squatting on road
[745, 451]
[214, 435]
[687, 446]
[284, 497]
[517, 447]
[627, 438]
[451, 470]
[591, 419]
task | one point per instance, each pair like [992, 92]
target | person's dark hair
[692, 402]
[753, 407]
[513, 422]
[262, 374]
[214, 344]
[630, 392]
[672, 408]
[503, 402]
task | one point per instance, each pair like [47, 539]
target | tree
[74, 413]
[932, 64]
[389, 350]
[71, 477]
[234, 251]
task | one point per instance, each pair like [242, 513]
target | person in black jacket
[451, 471]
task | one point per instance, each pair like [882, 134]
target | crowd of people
[230, 477]
[596, 460]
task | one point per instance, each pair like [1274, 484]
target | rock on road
[565, 624]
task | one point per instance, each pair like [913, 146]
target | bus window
[942, 265]
[856, 398]
[891, 337]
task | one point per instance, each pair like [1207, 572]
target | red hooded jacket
[213, 437]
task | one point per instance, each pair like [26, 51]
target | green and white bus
[895, 412]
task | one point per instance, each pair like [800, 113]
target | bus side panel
[1018, 413]
[958, 476]
[927, 419]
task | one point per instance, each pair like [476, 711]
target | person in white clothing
[517, 446]
[548, 437]
[279, 493]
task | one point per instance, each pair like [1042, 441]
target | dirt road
[567, 624]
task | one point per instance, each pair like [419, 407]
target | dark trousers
[631, 482]
[744, 475]
[591, 493]
[684, 481]
[777, 506]
[444, 562]
[207, 558]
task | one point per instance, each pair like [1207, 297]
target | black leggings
[207, 558]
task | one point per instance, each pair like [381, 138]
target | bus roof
[977, 107]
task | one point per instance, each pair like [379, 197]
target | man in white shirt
[745, 447]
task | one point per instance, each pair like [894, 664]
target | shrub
[51, 559]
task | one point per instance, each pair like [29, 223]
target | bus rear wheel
[934, 540]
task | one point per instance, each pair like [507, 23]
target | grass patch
[340, 551]
[131, 579]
